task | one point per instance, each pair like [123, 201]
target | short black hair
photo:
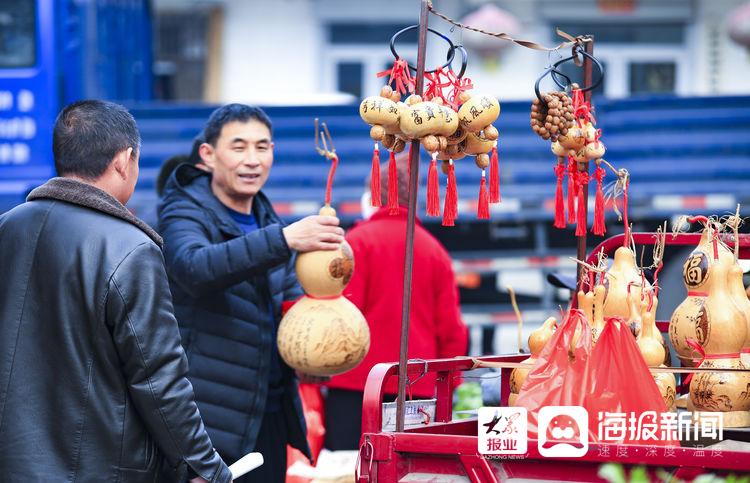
[166, 170]
[88, 134]
[231, 113]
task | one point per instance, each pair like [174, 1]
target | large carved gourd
[324, 334]
[623, 273]
[689, 320]
[727, 392]
[537, 340]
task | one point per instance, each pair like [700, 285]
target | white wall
[724, 66]
[274, 51]
[270, 52]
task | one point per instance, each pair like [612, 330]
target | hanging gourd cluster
[568, 123]
[450, 124]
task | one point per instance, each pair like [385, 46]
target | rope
[570, 40]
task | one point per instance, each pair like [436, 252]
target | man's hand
[314, 233]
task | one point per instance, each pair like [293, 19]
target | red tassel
[572, 175]
[599, 228]
[483, 207]
[583, 186]
[450, 209]
[559, 202]
[494, 176]
[392, 185]
[433, 185]
[375, 178]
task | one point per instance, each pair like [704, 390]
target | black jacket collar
[89, 196]
[196, 184]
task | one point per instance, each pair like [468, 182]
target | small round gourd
[382, 114]
[575, 139]
[478, 112]
[474, 145]
[594, 150]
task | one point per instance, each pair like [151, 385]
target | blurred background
[674, 109]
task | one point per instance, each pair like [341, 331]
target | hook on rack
[566, 83]
[451, 49]
[464, 59]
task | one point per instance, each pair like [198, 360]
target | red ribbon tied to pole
[400, 75]
[436, 82]
[582, 109]
[460, 84]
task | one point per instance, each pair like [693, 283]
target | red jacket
[435, 328]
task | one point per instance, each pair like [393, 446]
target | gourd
[537, 340]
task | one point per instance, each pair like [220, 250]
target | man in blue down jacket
[231, 265]
[93, 380]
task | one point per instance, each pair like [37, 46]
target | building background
[323, 51]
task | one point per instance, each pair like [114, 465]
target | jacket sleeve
[451, 331]
[292, 288]
[140, 316]
[199, 266]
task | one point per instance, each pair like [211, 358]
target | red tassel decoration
[599, 228]
[483, 207]
[494, 176]
[572, 178]
[433, 185]
[375, 178]
[450, 208]
[392, 185]
[559, 202]
[583, 186]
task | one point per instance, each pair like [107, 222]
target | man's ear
[121, 162]
[206, 152]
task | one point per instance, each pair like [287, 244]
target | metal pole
[584, 167]
[409, 259]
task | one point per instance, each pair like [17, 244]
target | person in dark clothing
[168, 166]
[93, 380]
[230, 261]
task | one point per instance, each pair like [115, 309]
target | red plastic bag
[312, 406]
[611, 377]
[620, 382]
[559, 377]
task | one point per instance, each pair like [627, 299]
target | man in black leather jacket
[92, 372]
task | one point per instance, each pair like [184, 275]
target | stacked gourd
[323, 333]
[710, 328]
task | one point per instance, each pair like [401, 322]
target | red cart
[445, 450]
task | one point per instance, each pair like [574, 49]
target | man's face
[241, 159]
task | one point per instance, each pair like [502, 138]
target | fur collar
[83, 194]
